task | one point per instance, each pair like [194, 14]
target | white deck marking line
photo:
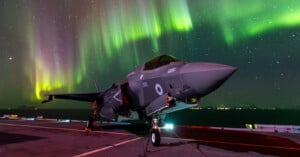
[65, 129]
[107, 147]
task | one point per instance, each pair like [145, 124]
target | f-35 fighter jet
[162, 85]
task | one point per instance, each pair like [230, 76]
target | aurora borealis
[63, 45]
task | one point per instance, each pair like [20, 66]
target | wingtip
[50, 98]
[45, 101]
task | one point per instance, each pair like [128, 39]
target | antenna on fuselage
[96, 86]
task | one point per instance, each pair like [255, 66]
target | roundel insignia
[159, 89]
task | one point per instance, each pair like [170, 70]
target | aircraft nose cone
[203, 78]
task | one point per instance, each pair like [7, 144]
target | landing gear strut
[155, 132]
[92, 119]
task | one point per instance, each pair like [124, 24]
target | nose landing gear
[155, 132]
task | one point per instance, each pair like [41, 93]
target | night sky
[57, 46]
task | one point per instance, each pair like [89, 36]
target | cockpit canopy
[159, 61]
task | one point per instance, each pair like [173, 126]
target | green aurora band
[70, 39]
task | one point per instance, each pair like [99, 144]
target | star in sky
[59, 46]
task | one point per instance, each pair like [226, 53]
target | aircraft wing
[160, 104]
[157, 105]
[90, 97]
[179, 106]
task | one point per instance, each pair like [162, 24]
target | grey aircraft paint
[146, 88]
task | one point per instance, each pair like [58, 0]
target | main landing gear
[92, 119]
[155, 132]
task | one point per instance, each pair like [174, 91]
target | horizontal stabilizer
[89, 97]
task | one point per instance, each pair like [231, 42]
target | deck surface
[53, 138]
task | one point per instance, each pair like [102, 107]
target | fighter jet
[162, 85]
